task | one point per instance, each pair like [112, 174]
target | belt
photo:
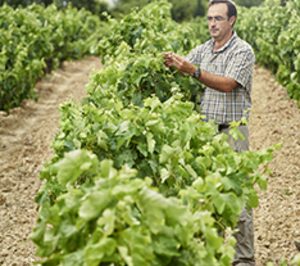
[223, 126]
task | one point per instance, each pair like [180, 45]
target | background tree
[183, 10]
[283, 2]
[201, 8]
[180, 10]
[249, 3]
[95, 6]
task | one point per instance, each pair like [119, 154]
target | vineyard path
[25, 144]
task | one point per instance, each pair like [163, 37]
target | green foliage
[273, 32]
[188, 187]
[168, 142]
[132, 48]
[199, 28]
[138, 77]
[94, 6]
[34, 40]
[150, 30]
[180, 10]
[115, 217]
[248, 3]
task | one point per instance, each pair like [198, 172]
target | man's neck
[218, 44]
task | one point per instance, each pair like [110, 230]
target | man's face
[219, 24]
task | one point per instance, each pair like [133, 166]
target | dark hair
[230, 6]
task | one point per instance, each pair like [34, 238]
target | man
[224, 64]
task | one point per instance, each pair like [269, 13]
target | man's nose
[212, 23]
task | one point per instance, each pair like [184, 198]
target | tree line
[180, 11]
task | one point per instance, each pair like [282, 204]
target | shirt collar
[226, 45]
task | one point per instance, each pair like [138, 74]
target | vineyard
[34, 41]
[272, 31]
[135, 176]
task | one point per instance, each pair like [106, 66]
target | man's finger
[167, 54]
[178, 58]
[168, 62]
[177, 62]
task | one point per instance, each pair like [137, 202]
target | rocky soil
[25, 144]
[275, 118]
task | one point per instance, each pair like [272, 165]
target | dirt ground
[25, 139]
[276, 119]
[25, 144]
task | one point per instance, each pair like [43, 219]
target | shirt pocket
[214, 64]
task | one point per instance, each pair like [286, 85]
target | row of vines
[274, 33]
[137, 178]
[34, 40]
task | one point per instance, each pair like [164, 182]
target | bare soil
[27, 132]
[275, 118]
[26, 135]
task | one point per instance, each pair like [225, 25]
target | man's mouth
[214, 30]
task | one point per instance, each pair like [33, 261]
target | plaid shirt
[234, 60]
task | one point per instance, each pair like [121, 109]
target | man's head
[221, 17]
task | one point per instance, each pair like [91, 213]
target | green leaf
[107, 169]
[219, 202]
[150, 142]
[151, 204]
[124, 254]
[166, 246]
[74, 164]
[95, 253]
[75, 258]
[94, 204]
[253, 199]
[107, 222]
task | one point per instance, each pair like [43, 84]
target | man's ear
[232, 20]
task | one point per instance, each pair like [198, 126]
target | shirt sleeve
[194, 56]
[240, 66]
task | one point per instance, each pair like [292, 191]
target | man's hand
[174, 60]
[213, 81]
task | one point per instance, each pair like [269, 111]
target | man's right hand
[183, 66]
[168, 58]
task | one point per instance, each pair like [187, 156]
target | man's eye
[216, 18]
